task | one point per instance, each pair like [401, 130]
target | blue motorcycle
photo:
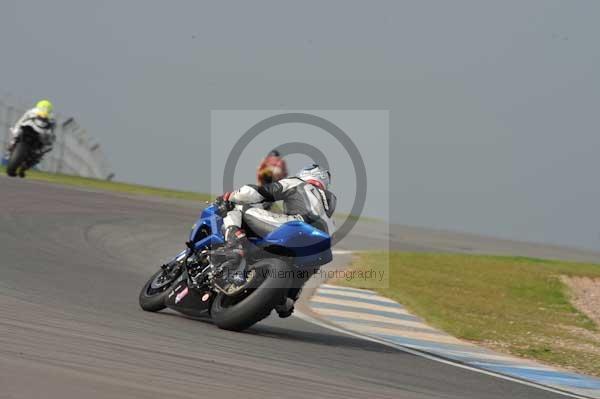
[197, 283]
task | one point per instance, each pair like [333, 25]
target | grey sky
[493, 105]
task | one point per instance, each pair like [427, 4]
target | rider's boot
[233, 253]
[286, 307]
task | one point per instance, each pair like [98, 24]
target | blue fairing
[209, 211]
[209, 222]
[310, 246]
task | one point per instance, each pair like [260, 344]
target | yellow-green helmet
[44, 108]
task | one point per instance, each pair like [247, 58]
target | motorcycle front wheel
[17, 158]
[271, 281]
[154, 293]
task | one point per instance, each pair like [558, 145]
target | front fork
[196, 265]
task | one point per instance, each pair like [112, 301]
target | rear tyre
[154, 293]
[17, 158]
[231, 313]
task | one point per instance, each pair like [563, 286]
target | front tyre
[273, 280]
[154, 293]
[17, 158]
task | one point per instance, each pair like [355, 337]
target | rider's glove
[224, 204]
[225, 197]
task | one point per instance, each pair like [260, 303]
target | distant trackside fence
[74, 152]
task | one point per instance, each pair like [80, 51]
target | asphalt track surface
[72, 264]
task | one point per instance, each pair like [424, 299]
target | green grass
[512, 304]
[125, 188]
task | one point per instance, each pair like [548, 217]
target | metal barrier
[74, 151]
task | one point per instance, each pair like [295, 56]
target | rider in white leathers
[305, 198]
[41, 120]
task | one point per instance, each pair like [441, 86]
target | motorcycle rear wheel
[235, 314]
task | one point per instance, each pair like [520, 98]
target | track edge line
[439, 359]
